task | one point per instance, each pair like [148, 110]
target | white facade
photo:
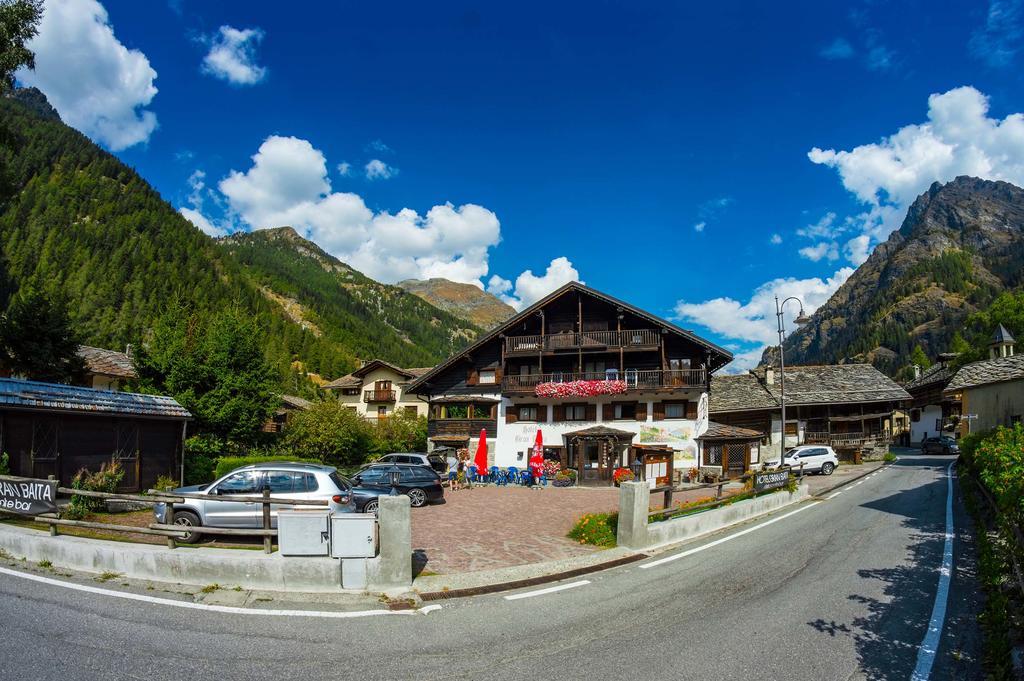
[928, 425]
[356, 397]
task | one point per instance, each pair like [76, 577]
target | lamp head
[801, 318]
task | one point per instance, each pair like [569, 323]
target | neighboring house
[600, 379]
[52, 429]
[289, 405]
[378, 389]
[106, 369]
[991, 393]
[851, 407]
[932, 412]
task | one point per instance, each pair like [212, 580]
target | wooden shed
[729, 450]
[52, 429]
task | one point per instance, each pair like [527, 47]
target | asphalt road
[843, 588]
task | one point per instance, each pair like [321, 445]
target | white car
[815, 458]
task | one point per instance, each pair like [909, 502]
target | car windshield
[340, 480]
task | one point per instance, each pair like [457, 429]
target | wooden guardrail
[170, 530]
[717, 486]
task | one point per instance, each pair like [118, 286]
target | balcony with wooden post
[552, 343]
[378, 395]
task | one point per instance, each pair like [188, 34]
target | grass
[210, 588]
[45, 564]
[107, 576]
[597, 529]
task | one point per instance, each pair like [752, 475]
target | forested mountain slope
[960, 245]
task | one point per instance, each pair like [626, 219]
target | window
[488, 376]
[383, 385]
[481, 411]
[675, 410]
[528, 412]
[575, 412]
[625, 411]
[44, 439]
[382, 411]
[455, 411]
[287, 482]
[374, 476]
[350, 391]
[712, 455]
[246, 482]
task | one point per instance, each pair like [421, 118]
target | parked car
[420, 483]
[434, 461]
[815, 458]
[282, 479]
[942, 444]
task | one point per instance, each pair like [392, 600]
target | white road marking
[684, 554]
[216, 608]
[834, 495]
[930, 644]
[549, 590]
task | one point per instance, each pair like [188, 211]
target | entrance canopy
[601, 432]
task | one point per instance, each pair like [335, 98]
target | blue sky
[692, 159]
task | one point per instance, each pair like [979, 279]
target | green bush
[226, 464]
[999, 463]
[5, 464]
[889, 457]
[106, 479]
[598, 529]
[165, 483]
[332, 434]
[201, 454]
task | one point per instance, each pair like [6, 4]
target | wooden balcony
[634, 339]
[635, 379]
[854, 440]
[378, 396]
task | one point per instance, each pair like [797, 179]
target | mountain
[462, 300]
[334, 301]
[80, 224]
[960, 245]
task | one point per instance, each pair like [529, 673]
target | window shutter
[659, 411]
[473, 377]
[558, 413]
[591, 412]
[608, 412]
[511, 414]
[641, 411]
[691, 409]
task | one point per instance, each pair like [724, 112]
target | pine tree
[37, 340]
[919, 357]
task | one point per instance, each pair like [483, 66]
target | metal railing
[635, 379]
[843, 439]
[572, 340]
[378, 396]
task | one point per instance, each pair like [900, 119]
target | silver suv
[282, 479]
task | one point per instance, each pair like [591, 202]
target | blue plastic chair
[471, 477]
[513, 475]
[494, 474]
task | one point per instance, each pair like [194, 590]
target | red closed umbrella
[481, 453]
[537, 457]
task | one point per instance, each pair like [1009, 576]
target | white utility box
[353, 573]
[304, 533]
[354, 535]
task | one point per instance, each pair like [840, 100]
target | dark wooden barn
[51, 429]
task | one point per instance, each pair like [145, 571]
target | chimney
[917, 371]
[769, 375]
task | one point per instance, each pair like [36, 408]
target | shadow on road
[888, 636]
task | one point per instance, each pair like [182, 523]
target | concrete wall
[635, 532]
[995, 404]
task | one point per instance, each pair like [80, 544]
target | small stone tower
[1001, 344]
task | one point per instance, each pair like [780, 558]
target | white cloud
[288, 184]
[699, 227]
[823, 250]
[379, 170]
[379, 147]
[96, 84]
[194, 211]
[529, 287]
[232, 55]
[858, 249]
[998, 41]
[839, 48]
[959, 138]
[754, 322]
[776, 239]
[344, 168]
[822, 228]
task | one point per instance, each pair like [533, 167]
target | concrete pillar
[394, 568]
[634, 503]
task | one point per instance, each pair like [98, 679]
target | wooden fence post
[169, 519]
[268, 541]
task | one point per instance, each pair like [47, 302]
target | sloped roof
[723, 355]
[1002, 335]
[601, 431]
[346, 381]
[36, 395]
[355, 379]
[837, 384]
[742, 392]
[296, 402]
[107, 362]
[720, 431]
[933, 375]
[988, 371]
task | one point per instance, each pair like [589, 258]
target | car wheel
[188, 519]
[827, 468]
[371, 506]
[417, 497]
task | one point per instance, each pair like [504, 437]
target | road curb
[846, 482]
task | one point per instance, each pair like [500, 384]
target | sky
[693, 159]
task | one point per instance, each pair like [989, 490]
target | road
[843, 588]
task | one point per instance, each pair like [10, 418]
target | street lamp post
[801, 319]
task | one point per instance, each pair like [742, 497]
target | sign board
[28, 496]
[772, 480]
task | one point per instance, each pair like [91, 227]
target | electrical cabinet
[354, 535]
[303, 533]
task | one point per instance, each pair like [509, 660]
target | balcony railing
[378, 396]
[855, 439]
[635, 379]
[641, 339]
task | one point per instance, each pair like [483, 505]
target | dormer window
[488, 377]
